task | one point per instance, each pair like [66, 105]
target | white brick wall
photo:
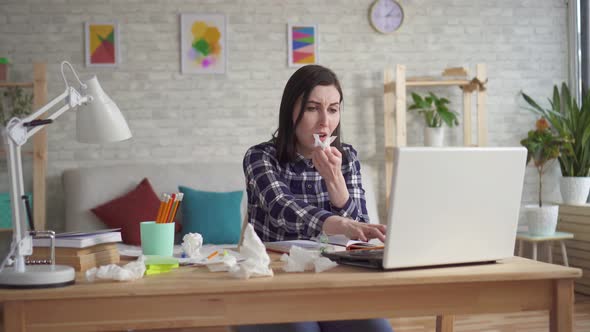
[189, 117]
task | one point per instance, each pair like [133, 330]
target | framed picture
[303, 44]
[101, 44]
[203, 44]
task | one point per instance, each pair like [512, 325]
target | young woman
[296, 189]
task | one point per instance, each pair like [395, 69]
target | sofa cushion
[214, 215]
[128, 210]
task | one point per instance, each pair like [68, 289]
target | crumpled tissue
[130, 271]
[300, 260]
[324, 145]
[257, 261]
[191, 244]
[226, 264]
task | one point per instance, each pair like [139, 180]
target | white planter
[433, 136]
[574, 190]
[541, 220]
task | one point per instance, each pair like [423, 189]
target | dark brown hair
[301, 83]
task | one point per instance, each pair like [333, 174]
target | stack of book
[82, 251]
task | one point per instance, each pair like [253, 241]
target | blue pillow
[214, 215]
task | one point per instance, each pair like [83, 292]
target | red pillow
[127, 211]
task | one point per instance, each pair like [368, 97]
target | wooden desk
[195, 297]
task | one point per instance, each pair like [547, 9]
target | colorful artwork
[303, 44]
[203, 48]
[102, 44]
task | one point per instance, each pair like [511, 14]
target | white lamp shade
[100, 120]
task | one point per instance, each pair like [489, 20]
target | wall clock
[386, 16]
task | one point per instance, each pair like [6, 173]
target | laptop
[451, 205]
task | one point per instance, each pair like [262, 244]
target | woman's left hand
[328, 163]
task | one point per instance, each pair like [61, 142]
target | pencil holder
[157, 238]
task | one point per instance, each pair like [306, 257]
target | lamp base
[38, 276]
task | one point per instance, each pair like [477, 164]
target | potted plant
[14, 102]
[4, 69]
[542, 146]
[572, 122]
[435, 112]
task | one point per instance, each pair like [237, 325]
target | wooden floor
[532, 321]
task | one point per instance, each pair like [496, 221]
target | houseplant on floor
[542, 147]
[435, 112]
[572, 122]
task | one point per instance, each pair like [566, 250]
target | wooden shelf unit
[576, 220]
[394, 104]
[39, 153]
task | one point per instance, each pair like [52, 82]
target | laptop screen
[453, 205]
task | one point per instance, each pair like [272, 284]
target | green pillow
[214, 215]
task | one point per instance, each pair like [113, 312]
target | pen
[213, 254]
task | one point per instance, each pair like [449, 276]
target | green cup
[157, 239]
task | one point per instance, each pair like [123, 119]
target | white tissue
[226, 264]
[191, 244]
[324, 145]
[300, 260]
[323, 263]
[256, 262]
[130, 271]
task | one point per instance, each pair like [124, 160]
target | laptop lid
[453, 205]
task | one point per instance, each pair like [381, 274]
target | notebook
[448, 206]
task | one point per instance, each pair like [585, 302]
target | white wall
[179, 117]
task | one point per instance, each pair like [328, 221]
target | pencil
[169, 207]
[161, 208]
[179, 197]
[163, 216]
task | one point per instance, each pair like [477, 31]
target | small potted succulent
[543, 147]
[436, 113]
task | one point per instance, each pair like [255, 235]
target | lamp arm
[19, 133]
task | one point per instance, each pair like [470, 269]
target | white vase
[541, 220]
[433, 136]
[574, 189]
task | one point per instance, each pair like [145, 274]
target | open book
[338, 243]
[342, 240]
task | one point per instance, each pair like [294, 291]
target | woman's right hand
[354, 230]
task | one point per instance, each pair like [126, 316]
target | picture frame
[203, 46]
[101, 46]
[303, 44]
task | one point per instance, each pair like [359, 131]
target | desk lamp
[99, 120]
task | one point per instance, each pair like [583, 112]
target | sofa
[88, 187]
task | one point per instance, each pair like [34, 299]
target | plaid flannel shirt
[290, 201]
